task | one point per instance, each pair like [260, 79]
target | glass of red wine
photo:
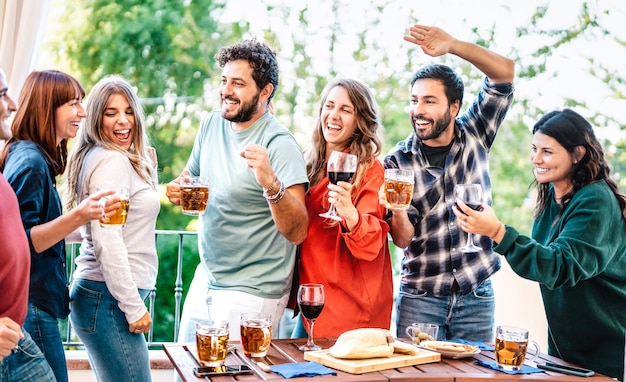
[472, 196]
[341, 167]
[311, 302]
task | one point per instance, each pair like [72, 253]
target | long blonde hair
[91, 135]
[366, 142]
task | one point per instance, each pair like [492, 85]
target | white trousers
[217, 304]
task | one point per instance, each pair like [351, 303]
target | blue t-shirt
[30, 175]
[239, 244]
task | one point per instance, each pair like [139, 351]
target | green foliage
[159, 46]
[166, 49]
[165, 303]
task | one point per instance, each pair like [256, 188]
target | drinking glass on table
[511, 347]
[341, 167]
[212, 342]
[472, 196]
[311, 302]
[256, 333]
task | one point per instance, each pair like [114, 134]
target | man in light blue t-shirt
[256, 215]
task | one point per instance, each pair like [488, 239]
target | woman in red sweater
[350, 257]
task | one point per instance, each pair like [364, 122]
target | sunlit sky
[569, 70]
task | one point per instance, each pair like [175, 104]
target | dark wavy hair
[261, 57]
[35, 120]
[571, 130]
[452, 83]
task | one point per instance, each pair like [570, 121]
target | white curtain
[22, 25]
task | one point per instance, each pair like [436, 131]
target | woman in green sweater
[578, 247]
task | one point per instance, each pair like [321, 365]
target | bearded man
[255, 214]
[440, 284]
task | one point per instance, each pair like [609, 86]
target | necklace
[558, 200]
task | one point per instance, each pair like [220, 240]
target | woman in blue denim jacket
[49, 113]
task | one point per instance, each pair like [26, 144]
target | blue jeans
[298, 330]
[469, 317]
[115, 354]
[26, 364]
[44, 329]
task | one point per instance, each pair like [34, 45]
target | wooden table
[184, 359]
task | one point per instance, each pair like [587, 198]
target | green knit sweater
[580, 261]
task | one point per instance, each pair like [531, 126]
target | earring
[575, 161]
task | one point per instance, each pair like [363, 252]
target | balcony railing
[71, 341]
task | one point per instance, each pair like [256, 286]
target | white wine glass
[341, 167]
[311, 300]
[472, 196]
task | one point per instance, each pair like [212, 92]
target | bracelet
[497, 231]
[273, 199]
[272, 186]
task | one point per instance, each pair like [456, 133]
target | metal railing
[72, 341]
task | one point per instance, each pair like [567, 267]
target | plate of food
[450, 349]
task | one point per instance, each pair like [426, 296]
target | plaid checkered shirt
[433, 261]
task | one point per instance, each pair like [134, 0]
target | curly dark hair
[261, 57]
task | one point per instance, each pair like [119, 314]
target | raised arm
[435, 42]
[289, 211]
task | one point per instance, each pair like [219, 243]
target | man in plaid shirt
[440, 284]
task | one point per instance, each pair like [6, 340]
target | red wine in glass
[311, 310]
[336, 176]
[472, 196]
[474, 206]
[311, 298]
[340, 166]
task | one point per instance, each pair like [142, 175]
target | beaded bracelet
[273, 199]
[272, 186]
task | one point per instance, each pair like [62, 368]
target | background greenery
[166, 49]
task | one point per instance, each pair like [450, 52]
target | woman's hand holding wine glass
[311, 302]
[341, 167]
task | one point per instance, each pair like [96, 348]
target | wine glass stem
[470, 242]
[309, 341]
[331, 210]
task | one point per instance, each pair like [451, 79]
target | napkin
[301, 369]
[524, 370]
[481, 345]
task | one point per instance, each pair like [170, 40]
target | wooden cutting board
[359, 366]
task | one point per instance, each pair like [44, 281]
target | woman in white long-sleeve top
[117, 266]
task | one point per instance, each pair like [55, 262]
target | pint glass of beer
[119, 219]
[194, 195]
[398, 188]
[212, 342]
[511, 346]
[256, 334]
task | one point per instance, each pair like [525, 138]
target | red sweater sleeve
[370, 233]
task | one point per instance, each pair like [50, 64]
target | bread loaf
[404, 348]
[363, 343]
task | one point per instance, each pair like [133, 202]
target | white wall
[518, 303]
[88, 376]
